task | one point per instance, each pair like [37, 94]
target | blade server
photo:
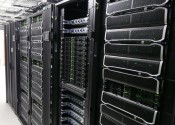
[136, 39]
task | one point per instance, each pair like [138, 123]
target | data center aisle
[7, 116]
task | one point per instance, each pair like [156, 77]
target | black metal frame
[93, 57]
[49, 71]
[14, 65]
[19, 55]
[7, 62]
[50, 66]
[167, 112]
[55, 69]
[52, 84]
[11, 64]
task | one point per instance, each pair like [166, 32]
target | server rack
[43, 80]
[37, 75]
[137, 85]
[14, 65]
[24, 68]
[11, 64]
[6, 36]
[78, 61]
[136, 81]
[32, 68]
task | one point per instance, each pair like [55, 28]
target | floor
[7, 116]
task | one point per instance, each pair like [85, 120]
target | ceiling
[11, 10]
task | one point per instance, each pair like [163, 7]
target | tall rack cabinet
[138, 83]
[42, 67]
[11, 58]
[78, 61]
[93, 62]
[31, 75]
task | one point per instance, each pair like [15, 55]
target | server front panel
[24, 48]
[136, 38]
[37, 69]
